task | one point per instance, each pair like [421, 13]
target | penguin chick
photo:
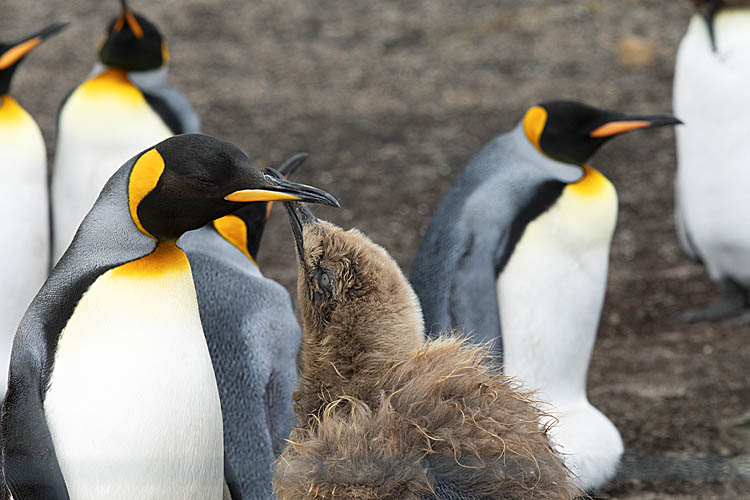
[123, 106]
[253, 338]
[712, 181]
[24, 252]
[112, 393]
[384, 415]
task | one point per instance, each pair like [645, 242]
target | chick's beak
[299, 215]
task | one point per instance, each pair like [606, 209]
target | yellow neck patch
[143, 179]
[165, 259]
[592, 184]
[112, 82]
[11, 113]
[234, 230]
[533, 125]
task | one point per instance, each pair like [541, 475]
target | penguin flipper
[231, 484]
[173, 108]
[473, 306]
[31, 467]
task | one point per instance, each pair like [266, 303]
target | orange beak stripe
[119, 24]
[133, 23]
[614, 128]
[15, 53]
[248, 195]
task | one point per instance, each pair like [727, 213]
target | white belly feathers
[133, 407]
[104, 123]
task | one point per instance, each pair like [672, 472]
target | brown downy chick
[384, 415]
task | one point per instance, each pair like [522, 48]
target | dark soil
[392, 98]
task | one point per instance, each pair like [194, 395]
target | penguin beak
[710, 17]
[286, 169]
[127, 17]
[627, 124]
[19, 50]
[299, 215]
[277, 188]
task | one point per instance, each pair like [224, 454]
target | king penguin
[713, 171]
[24, 251]
[517, 253]
[123, 106]
[253, 338]
[112, 394]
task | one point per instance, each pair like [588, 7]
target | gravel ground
[392, 100]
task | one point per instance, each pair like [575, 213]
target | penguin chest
[713, 175]
[104, 123]
[551, 291]
[133, 407]
[24, 248]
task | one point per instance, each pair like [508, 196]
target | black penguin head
[244, 227]
[189, 180]
[571, 132]
[11, 54]
[133, 43]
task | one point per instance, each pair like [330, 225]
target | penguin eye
[202, 180]
[325, 281]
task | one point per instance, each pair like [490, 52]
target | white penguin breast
[24, 249]
[713, 152]
[550, 298]
[133, 407]
[104, 123]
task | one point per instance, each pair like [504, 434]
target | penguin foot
[715, 312]
[741, 320]
[734, 302]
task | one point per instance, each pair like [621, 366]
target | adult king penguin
[24, 251]
[713, 170]
[253, 338]
[112, 393]
[124, 106]
[517, 253]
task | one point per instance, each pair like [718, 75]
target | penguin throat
[592, 183]
[10, 111]
[234, 230]
[113, 81]
[165, 259]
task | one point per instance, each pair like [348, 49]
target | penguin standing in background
[713, 151]
[253, 337]
[24, 251]
[517, 253]
[112, 393]
[124, 105]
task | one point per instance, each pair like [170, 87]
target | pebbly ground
[392, 98]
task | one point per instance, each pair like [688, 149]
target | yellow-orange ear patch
[164, 53]
[143, 179]
[533, 125]
[13, 54]
[234, 230]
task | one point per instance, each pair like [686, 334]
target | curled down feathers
[446, 426]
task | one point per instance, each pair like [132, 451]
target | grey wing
[281, 385]
[174, 109]
[30, 464]
[473, 303]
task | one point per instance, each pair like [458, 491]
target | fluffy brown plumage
[383, 415]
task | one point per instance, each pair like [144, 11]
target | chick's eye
[325, 280]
